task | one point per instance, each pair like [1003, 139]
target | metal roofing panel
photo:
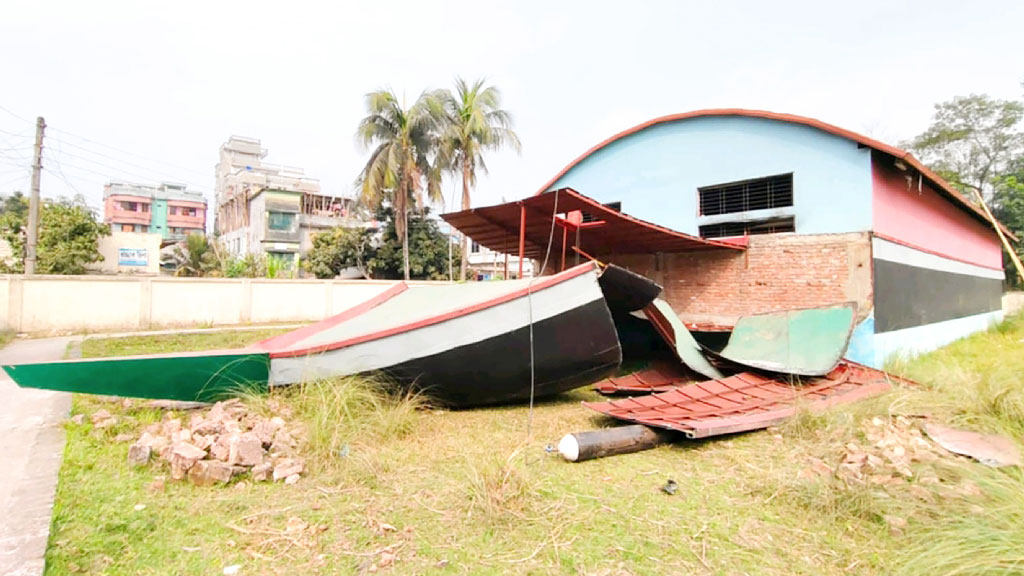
[745, 401]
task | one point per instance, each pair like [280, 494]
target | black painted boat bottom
[573, 349]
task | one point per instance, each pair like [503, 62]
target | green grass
[133, 345]
[6, 336]
[470, 492]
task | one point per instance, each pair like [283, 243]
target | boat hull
[482, 356]
[571, 350]
[201, 377]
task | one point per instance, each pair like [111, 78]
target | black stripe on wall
[908, 296]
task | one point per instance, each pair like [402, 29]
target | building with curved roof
[827, 215]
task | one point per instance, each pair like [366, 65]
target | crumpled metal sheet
[745, 401]
[674, 332]
[660, 379]
[806, 342]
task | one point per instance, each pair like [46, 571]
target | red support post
[565, 236]
[522, 237]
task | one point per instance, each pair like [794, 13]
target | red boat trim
[289, 338]
[540, 285]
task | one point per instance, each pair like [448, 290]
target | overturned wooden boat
[464, 344]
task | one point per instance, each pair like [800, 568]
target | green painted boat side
[189, 377]
[806, 342]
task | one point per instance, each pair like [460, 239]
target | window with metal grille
[726, 229]
[746, 195]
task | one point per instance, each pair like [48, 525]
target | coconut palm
[474, 123]
[403, 142]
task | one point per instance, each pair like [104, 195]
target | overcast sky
[137, 93]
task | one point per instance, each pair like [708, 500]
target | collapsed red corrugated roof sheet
[745, 401]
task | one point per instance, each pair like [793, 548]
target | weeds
[980, 535]
[353, 410]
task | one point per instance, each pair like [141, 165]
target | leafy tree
[1008, 208]
[68, 235]
[429, 249]
[976, 143]
[474, 123]
[381, 256]
[403, 141]
[338, 249]
[16, 203]
[972, 141]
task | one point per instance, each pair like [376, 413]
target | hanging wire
[529, 298]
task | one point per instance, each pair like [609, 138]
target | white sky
[156, 92]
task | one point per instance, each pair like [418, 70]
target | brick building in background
[170, 210]
[826, 216]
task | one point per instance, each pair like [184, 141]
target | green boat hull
[193, 377]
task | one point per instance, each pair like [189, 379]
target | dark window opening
[756, 194]
[475, 247]
[726, 229]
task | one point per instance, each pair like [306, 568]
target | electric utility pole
[33, 201]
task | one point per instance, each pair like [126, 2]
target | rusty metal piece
[745, 401]
[660, 379]
[990, 449]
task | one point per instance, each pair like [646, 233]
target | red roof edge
[944, 187]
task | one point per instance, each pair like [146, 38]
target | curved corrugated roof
[934, 179]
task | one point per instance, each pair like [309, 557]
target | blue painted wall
[656, 172]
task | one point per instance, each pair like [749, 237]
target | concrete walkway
[31, 445]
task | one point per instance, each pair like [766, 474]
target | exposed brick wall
[775, 273]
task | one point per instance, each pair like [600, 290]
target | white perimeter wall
[45, 304]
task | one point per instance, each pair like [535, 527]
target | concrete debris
[103, 419]
[261, 472]
[139, 454]
[78, 419]
[989, 449]
[287, 467]
[176, 405]
[220, 443]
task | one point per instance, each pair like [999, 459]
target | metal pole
[565, 236]
[33, 201]
[522, 237]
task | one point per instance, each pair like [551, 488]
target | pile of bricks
[221, 443]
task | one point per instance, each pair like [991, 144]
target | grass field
[397, 486]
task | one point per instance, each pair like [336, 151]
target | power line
[161, 175]
[15, 115]
[115, 169]
[135, 154]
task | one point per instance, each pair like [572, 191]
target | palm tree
[474, 124]
[197, 256]
[403, 142]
